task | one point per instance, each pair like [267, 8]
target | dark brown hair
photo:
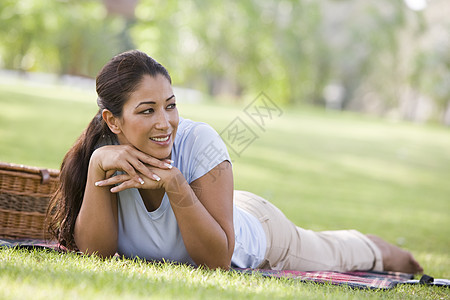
[115, 82]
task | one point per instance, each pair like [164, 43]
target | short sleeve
[199, 148]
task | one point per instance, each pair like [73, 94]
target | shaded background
[386, 57]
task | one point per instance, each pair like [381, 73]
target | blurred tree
[237, 47]
[85, 37]
[66, 37]
[23, 25]
[431, 76]
[301, 46]
[124, 8]
[365, 43]
[376, 56]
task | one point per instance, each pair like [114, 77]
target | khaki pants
[293, 248]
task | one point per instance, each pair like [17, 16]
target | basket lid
[45, 174]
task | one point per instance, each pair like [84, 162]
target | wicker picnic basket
[24, 195]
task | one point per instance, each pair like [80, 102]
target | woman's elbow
[218, 265]
[218, 262]
[104, 248]
[103, 253]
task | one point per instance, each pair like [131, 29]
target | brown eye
[148, 111]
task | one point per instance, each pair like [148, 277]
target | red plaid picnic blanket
[357, 279]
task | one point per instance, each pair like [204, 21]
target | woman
[141, 182]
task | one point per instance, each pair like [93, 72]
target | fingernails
[141, 181]
[97, 183]
[168, 165]
[157, 178]
[170, 161]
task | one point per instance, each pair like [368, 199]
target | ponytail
[65, 204]
[114, 84]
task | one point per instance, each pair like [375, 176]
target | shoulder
[195, 136]
[197, 148]
[188, 129]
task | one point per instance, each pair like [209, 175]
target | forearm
[96, 224]
[206, 241]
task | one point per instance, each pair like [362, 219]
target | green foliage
[295, 49]
[431, 73]
[64, 37]
[386, 58]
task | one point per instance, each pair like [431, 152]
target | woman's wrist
[174, 181]
[96, 171]
[179, 191]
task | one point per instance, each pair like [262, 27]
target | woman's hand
[159, 179]
[140, 170]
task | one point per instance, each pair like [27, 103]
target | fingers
[122, 182]
[154, 162]
[144, 170]
[109, 173]
[169, 161]
[113, 180]
[123, 178]
[140, 161]
[125, 185]
[132, 161]
[130, 170]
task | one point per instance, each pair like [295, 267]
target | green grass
[39, 123]
[325, 170]
[43, 275]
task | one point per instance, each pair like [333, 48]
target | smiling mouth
[160, 139]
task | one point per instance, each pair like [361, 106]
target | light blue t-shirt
[155, 235]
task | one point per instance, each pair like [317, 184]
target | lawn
[325, 170]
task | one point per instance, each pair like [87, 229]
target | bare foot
[394, 258]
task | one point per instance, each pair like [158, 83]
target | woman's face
[149, 118]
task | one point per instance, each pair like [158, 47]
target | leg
[337, 250]
[294, 248]
[396, 259]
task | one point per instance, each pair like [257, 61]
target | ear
[112, 121]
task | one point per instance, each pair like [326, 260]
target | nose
[162, 120]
